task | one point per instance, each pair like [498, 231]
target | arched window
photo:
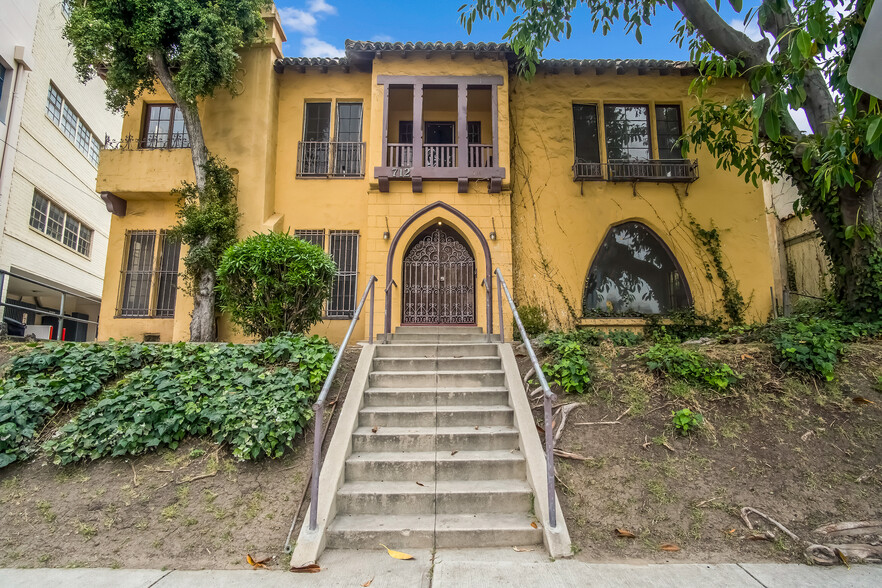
[634, 272]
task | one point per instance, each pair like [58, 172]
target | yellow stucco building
[431, 165]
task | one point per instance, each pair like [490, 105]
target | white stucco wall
[46, 160]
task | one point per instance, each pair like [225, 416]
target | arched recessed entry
[438, 279]
[634, 271]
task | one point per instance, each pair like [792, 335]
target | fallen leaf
[374, 430]
[256, 563]
[763, 537]
[731, 531]
[669, 547]
[841, 556]
[420, 484]
[746, 356]
[625, 533]
[396, 554]
[368, 583]
[534, 525]
[861, 400]
[307, 569]
[540, 429]
[454, 452]
[522, 549]
[476, 428]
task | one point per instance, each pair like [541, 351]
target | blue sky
[318, 28]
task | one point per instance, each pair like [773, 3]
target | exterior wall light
[493, 232]
[386, 232]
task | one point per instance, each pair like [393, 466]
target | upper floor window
[164, 128]
[2, 85]
[668, 130]
[587, 146]
[318, 155]
[52, 220]
[627, 131]
[74, 128]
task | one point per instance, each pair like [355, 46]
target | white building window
[53, 221]
[74, 128]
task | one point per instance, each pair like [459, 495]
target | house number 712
[401, 172]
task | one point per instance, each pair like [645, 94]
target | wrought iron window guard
[627, 170]
[334, 159]
[151, 141]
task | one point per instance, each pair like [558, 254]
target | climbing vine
[206, 221]
[733, 301]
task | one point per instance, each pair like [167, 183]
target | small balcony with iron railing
[637, 170]
[145, 167]
[440, 128]
[330, 159]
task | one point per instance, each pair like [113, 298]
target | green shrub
[686, 421]
[624, 338]
[37, 384]
[670, 358]
[569, 368]
[254, 398]
[682, 325]
[813, 346]
[272, 283]
[534, 320]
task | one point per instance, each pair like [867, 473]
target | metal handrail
[549, 396]
[319, 406]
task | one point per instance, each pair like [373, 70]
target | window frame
[66, 118]
[162, 277]
[63, 225]
[650, 130]
[324, 238]
[169, 136]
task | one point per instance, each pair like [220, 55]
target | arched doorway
[438, 276]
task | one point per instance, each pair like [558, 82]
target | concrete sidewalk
[459, 569]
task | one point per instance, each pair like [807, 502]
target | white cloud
[752, 29]
[382, 39]
[315, 47]
[320, 6]
[298, 20]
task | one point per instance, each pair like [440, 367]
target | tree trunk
[203, 325]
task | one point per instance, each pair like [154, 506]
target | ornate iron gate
[439, 280]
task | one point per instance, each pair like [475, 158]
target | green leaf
[804, 42]
[773, 125]
[736, 5]
[874, 130]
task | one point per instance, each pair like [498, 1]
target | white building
[52, 128]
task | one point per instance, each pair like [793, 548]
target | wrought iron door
[439, 280]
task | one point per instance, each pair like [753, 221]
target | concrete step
[436, 350]
[472, 438]
[441, 338]
[436, 397]
[444, 364]
[424, 466]
[428, 379]
[436, 329]
[486, 530]
[424, 531]
[430, 416]
[445, 497]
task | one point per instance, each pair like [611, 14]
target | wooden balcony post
[417, 178]
[385, 156]
[462, 136]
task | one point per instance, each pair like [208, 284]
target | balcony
[646, 170]
[330, 159]
[440, 128]
[146, 168]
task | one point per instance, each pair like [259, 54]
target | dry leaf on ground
[256, 563]
[307, 569]
[420, 484]
[861, 400]
[625, 533]
[534, 525]
[368, 583]
[396, 554]
[669, 547]
[374, 430]
[522, 549]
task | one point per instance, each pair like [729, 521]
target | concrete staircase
[435, 458]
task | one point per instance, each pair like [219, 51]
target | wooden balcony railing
[399, 154]
[335, 159]
[653, 170]
[480, 155]
[439, 155]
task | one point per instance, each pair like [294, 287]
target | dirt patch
[193, 508]
[803, 452]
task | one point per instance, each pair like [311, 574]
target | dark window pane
[405, 131]
[84, 245]
[167, 279]
[39, 212]
[317, 122]
[634, 273]
[585, 129]
[55, 223]
[668, 130]
[473, 130]
[349, 121]
[71, 232]
[344, 252]
[69, 122]
[53, 105]
[137, 274]
[627, 131]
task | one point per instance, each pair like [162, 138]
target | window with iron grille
[164, 128]
[74, 128]
[149, 282]
[314, 236]
[343, 248]
[52, 220]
